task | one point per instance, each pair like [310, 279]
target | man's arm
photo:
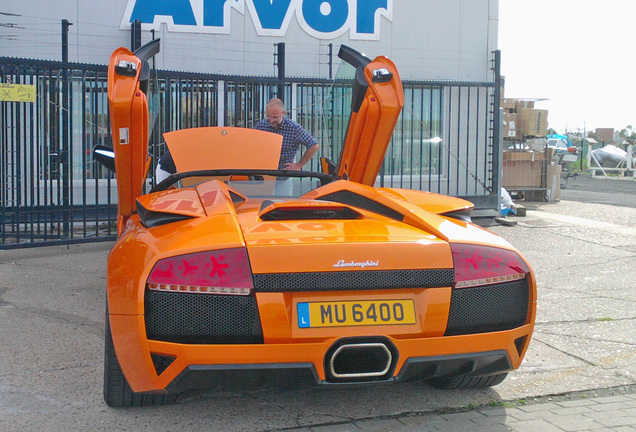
[309, 153]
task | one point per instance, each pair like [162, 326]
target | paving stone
[538, 407]
[609, 406]
[337, 428]
[618, 421]
[492, 420]
[424, 421]
[378, 425]
[575, 422]
[545, 414]
[577, 403]
[413, 428]
[571, 410]
[597, 415]
[624, 429]
[494, 412]
[471, 427]
[462, 416]
[611, 399]
[533, 426]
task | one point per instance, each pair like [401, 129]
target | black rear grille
[319, 213]
[202, 318]
[353, 199]
[488, 308]
[353, 280]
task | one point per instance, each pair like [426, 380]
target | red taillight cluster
[483, 265]
[225, 271]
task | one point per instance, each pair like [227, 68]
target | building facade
[218, 67]
[428, 39]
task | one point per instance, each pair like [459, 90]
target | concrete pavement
[552, 414]
[579, 373]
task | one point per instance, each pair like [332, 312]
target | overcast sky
[579, 54]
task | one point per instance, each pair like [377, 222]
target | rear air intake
[323, 213]
[356, 200]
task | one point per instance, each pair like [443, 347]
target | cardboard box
[509, 105]
[510, 126]
[532, 122]
[522, 170]
[553, 181]
[523, 104]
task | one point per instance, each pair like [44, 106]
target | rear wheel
[117, 392]
[467, 382]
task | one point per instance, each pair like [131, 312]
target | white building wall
[428, 39]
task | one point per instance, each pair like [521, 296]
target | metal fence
[53, 192]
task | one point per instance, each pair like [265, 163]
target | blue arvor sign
[322, 19]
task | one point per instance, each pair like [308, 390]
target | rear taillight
[225, 271]
[483, 265]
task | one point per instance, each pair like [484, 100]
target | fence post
[220, 103]
[497, 132]
[280, 63]
[330, 61]
[293, 106]
[64, 153]
[135, 35]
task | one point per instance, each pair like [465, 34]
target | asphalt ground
[610, 190]
[580, 367]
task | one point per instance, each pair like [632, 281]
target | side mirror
[105, 156]
[327, 165]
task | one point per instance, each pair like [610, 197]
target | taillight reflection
[225, 271]
[482, 265]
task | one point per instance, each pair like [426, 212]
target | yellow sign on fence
[17, 93]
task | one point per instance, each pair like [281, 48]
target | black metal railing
[52, 191]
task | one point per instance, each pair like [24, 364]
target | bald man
[294, 135]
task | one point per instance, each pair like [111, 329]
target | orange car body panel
[223, 148]
[129, 125]
[402, 247]
[213, 221]
[371, 128]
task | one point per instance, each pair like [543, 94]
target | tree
[628, 133]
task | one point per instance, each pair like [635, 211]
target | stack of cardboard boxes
[524, 168]
[522, 119]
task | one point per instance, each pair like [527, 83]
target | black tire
[467, 382]
[117, 392]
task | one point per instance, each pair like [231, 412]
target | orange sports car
[220, 275]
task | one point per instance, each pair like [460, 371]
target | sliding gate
[52, 191]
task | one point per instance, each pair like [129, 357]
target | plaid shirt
[293, 136]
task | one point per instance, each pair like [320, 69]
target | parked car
[564, 151]
[215, 278]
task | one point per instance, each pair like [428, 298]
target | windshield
[271, 187]
[252, 183]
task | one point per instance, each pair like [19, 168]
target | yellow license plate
[355, 313]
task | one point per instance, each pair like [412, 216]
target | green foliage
[628, 132]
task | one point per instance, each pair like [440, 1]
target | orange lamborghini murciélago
[217, 276]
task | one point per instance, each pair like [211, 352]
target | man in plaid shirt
[294, 135]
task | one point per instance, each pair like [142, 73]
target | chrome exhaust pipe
[360, 360]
